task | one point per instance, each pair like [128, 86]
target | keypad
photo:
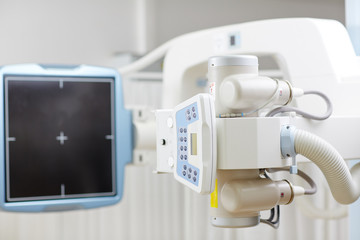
[185, 117]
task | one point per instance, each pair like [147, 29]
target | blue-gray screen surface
[59, 137]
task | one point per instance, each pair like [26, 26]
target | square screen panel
[59, 137]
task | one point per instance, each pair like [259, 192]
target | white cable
[301, 174]
[344, 185]
[147, 60]
[303, 113]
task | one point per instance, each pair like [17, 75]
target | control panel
[195, 155]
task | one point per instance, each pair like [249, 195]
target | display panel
[59, 137]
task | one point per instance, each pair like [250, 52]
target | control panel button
[194, 115]
[181, 130]
[184, 173]
[185, 157]
[181, 139]
[194, 179]
[189, 176]
[185, 130]
[184, 167]
[181, 148]
[195, 173]
[185, 139]
[190, 170]
[185, 148]
[193, 109]
[170, 122]
[181, 157]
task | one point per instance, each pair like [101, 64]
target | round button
[189, 118]
[188, 111]
[184, 173]
[181, 130]
[181, 157]
[185, 157]
[194, 179]
[185, 148]
[181, 139]
[194, 115]
[193, 109]
[181, 148]
[185, 139]
[171, 161]
[185, 130]
[195, 173]
[184, 167]
[170, 122]
[189, 176]
[190, 170]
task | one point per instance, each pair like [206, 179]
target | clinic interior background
[106, 33]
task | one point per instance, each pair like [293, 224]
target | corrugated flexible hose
[344, 184]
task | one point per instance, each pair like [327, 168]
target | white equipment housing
[308, 54]
[306, 50]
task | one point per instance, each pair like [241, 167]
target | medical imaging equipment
[223, 128]
[257, 131]
[65, 137]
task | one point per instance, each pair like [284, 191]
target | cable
[232, 115]
[313, 187]
[276, 211]
[275, 224]
[270, 221]
[303, 113]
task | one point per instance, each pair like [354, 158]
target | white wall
[93, 31]
[65, 31]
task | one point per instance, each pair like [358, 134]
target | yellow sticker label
[214, 196]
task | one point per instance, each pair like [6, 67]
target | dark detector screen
[59, 137]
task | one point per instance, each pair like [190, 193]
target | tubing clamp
[287, 145]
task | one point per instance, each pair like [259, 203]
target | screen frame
[122, 137]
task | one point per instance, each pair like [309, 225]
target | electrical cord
[303, 113]
[276, 210]
[275, 224]
[313, 187]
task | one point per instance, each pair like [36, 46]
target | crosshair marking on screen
[62, 189]
[62, 138]
[109, 137]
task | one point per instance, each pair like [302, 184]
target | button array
[189, 114]
[185, 170]
[183, 143]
